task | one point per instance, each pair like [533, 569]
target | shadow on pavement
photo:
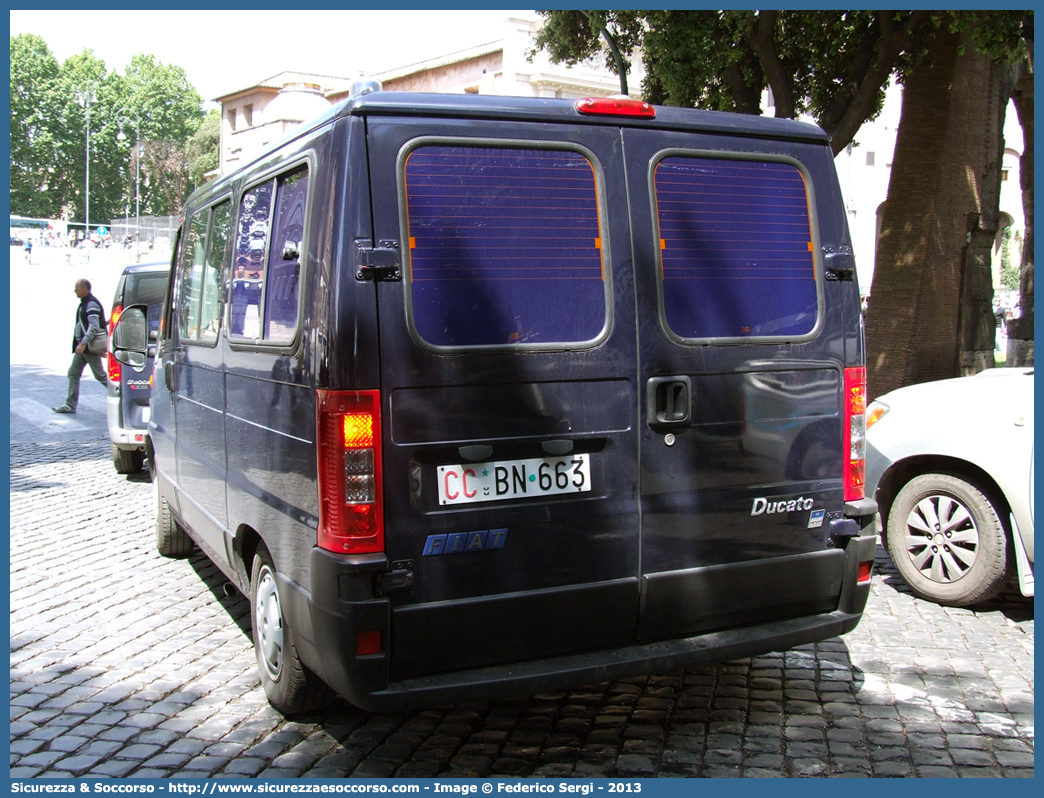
[1010, 601]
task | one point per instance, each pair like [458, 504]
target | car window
[736, 248]
[147, 288]
[505, 246]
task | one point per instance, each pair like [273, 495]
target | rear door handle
[669, 401]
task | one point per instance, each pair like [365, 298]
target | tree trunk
[1020, 335]
[977, 323]
[935, 202]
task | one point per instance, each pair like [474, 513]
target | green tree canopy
[59, 111]
[203, 148]
[833, 65]
[33, 74]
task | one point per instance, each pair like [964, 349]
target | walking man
[90, 327]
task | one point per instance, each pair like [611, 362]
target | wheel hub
[942, 540]
[268, 623]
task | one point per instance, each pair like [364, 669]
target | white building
[256, 116]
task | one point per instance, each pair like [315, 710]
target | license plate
[514, 479]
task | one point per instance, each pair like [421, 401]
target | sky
[224, 51]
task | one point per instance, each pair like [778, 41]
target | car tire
[290, 686]
[127, 461]
[947, 541]
[171, 539]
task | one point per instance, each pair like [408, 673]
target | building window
[248, 115]
[232, 119]
[869, 159]
[1004, 175]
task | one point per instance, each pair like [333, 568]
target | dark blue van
[483, 396]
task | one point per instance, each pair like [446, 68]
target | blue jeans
[76, 370]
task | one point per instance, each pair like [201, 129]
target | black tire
[127, 462]
[289, 685]
[171, 539]
[948, 542]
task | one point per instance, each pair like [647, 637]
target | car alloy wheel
[947, 540]
[942, 540]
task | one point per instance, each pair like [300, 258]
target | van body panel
[538, 626]
[200, 408]
[764, 428]
[514, 401]
[610, 357]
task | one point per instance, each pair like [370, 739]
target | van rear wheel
[171, 539]
[290, 687]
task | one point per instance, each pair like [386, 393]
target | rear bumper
[123, 437]
[331, 617]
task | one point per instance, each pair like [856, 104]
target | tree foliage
[203, 150]
[833, 65]
[33, 131]
[60, 112]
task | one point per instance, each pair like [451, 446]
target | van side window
[284, 262]
[266, 261]
[191, 279]
[217, 251]
[505, 246]
[736, 248]
[202, 267]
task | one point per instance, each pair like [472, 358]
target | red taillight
[615, 106]
[368, 643]
[117, 311]
[114, 367]
[351, 516]
[863, 576]
[855, 433]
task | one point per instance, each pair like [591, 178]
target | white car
[950, 464]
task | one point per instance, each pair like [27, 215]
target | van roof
[477, 106]
[529, 109]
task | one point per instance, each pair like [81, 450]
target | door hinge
[842, 275]
[382, 263]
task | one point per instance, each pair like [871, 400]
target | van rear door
[509, 389]
[740, 383]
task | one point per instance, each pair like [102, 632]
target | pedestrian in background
[1001, 322]
[90, 340]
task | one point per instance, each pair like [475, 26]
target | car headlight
[875, 412]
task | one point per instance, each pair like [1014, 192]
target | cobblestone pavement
[126, 664]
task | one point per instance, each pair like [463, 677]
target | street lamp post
[137, 193]
[137, 186]
[86, 98]
[126, 205]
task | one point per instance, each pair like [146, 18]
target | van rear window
[736, 248]
[505, 247]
